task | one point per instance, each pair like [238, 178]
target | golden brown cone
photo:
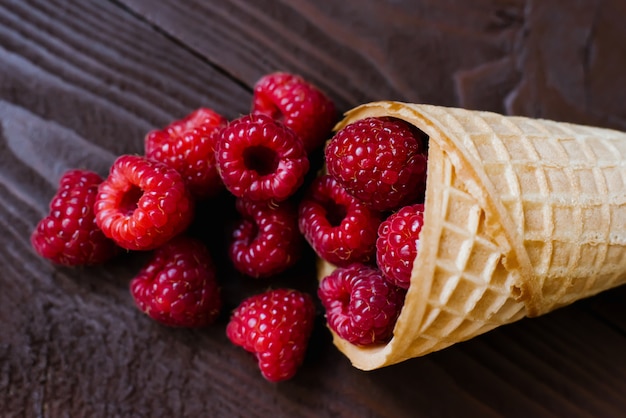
[522, 216]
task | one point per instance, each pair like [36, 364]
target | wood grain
[81, 82]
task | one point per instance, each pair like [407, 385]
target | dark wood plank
[400, 54]
[82, 82]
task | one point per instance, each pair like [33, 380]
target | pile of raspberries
[363, 214]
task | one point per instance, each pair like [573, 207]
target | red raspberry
[188, 145]
[69, 235]
[261, 159]
[298, 104]
[381, 161]
[339, 227]
[275, 326]
[267, 240]
[177, 287]
[361, 306]
[398, 243]
[143, 203]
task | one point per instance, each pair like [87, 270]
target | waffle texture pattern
[522, 216]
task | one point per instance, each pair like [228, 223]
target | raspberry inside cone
[381, 161]
[361, 306]
[398, 242]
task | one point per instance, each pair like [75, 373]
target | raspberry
[398, 243]
[68, 235]
[340, 228]
[381, 161]
[188, 145]
[177, 287]
[361, 306]
[142, 203]
[275, 326]
[298, 104]
[267, 240]
[261, 159]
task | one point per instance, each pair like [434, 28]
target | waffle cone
[522, 216]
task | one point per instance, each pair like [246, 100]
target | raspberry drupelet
[340, 228]
[188, 145]
[69, 235]
[298, 104]
[266, 241]
[398, 243]
[361, 306]
[259, 158]
[177, 286]
[142, 203]
[380, 160]
[275, 326]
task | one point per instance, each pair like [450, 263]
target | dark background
[81, 82]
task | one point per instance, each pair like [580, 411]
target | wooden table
[81, 82]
